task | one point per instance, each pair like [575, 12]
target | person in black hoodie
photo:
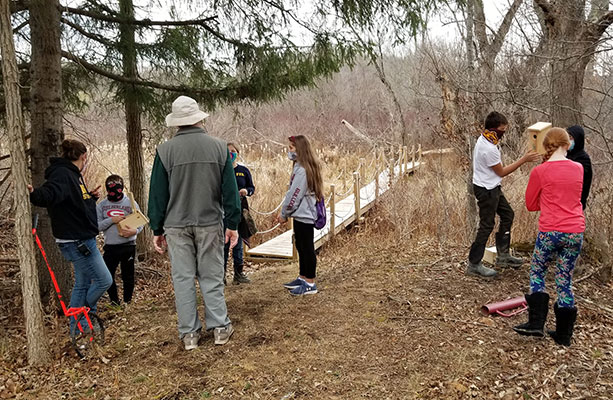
[246, 188]
[577, 153]
[72, 210]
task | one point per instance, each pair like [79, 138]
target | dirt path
[385, 325]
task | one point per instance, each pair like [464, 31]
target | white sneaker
[222, 335]
[191, 340]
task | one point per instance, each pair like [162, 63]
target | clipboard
[134, 220]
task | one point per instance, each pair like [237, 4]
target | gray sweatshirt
[300, 203]
[107, 209]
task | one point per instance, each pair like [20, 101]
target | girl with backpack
[554, 189]
[301, 202]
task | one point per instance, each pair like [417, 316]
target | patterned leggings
[564, 248]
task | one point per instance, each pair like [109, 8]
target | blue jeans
[237, 256]
[92, 277]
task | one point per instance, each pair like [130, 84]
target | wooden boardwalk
[340, 214]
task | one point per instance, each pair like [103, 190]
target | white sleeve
[492, 157]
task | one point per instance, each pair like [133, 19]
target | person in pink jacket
[554, 189]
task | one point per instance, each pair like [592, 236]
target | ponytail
[554, 138]
[73, 149]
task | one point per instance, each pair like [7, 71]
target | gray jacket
[300, 203]
[193, 183]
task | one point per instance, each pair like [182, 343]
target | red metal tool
[509, 304]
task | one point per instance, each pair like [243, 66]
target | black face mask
[114, 191]
[499, 133]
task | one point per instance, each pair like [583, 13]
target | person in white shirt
[488, 172]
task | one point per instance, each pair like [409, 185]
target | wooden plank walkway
[281, 246]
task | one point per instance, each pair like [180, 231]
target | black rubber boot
[538, 306]
[503, 255]
[565, 324]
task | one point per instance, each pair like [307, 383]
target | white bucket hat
[185, 111]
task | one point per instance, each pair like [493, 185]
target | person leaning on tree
[72, 210]
[192, 194]
[488, 172]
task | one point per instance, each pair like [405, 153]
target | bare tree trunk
[134, 133]
[38, 350]
[46, 125]
[471, 206]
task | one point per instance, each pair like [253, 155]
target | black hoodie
[71, 207]
[579, 155]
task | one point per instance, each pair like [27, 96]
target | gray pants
[197, 252]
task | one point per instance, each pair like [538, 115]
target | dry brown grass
[395, 319]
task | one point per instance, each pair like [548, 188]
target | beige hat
[185, 111]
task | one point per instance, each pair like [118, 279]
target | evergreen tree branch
[139, 82]
[138, 22]
[100, 39]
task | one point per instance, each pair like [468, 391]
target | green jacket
[193, 183]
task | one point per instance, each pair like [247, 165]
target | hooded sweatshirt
[108, 209]
[579, 155]
[71, 207]
[300, 203]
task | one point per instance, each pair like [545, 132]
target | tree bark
[46, 126]
[569, 42]
[471, 206]
[134, 133]
[38, 347]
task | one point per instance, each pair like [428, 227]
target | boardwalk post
[356, 195]
[390, 179]
[294, 252]
[376, 177]
[413, 157]
[331, 231]
[419, 151]
[362, 170]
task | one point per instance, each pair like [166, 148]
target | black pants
[491, 202]
[115, 254]
[306, 249]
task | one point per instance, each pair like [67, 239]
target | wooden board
[134, 221]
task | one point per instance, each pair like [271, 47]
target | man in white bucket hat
[192, 191]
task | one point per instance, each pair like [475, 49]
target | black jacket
[71, 207]
[579, 155]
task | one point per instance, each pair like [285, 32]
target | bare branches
[546, 13]
[603, 23]
[504, 27]
[544, 5]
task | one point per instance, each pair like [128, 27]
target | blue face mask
[572, 145]
[292, 155]
[233, 156]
